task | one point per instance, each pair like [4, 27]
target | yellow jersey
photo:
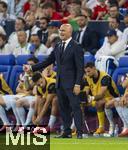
[95, 86]
[4, 88]
[48, 89]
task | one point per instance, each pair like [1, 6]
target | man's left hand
[76, 89]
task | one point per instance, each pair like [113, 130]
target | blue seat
[22, 59]
[89, 58]
[6, 63]
[42, 57]
[119, 72]
[17, 70]
[14, 77]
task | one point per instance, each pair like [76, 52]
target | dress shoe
[64, 136]
[79, 136]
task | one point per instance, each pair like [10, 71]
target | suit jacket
[45, 38]
[90, 40]
[70, 67]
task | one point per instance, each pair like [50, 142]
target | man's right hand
[27, 68]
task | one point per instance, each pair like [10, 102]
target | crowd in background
[37, 25]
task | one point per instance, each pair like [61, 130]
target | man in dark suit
[43, 32]
[70, 69]
[86, 36]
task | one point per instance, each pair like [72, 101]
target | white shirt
[67, 42]
[125, 36]
[6, 50]
[82, 34]
[13, 40]
[34, 30]
[119, 34]
[116, 50]
[41, 50]
[19, 50]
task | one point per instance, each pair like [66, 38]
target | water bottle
[116, 131]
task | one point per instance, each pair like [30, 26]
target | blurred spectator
[5, 49]
[43, 32]
[64, 9]
[86, 36]
[2, 31]
[114, 23]
[33, 10]
[31, 26]
[52, 40]
[113, 11]
[87, 12]
[125, 32]
[35, 46]
[91, 4]
[19, 25]
[49, 12]
[4, 14]
[100, 10]
[114, 47]
[74, 11]
[16, 7]
[22, 47]
[53, 27]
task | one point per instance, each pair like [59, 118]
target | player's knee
[33, 104]
[19, 104]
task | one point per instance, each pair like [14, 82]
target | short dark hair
[47, 5]
[22, 19]
[35, 35]
[114, 5]
[34, 59]
[89, 64]
[3, 36]
[4, 4]
[45, 18]
[36, 76]
[117, 19]
[81, 15]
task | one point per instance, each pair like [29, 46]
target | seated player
[102, 89]
[49, 72]
[6, 103]
[25, 89]
[4, 88]
[121, 105]
[46, 90]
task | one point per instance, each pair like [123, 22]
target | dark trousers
[69, 104]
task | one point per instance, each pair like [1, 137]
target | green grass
[90, 143]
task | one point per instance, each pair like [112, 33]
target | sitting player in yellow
[5, 102]
[4, 88]
[102, 89]
[24, 97]
[45, 88]
[49, 72]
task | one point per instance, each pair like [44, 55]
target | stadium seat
[17, 70]
[89, 58]
[119, 72]
[22, 59]
[42, 57]
[6, 63]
